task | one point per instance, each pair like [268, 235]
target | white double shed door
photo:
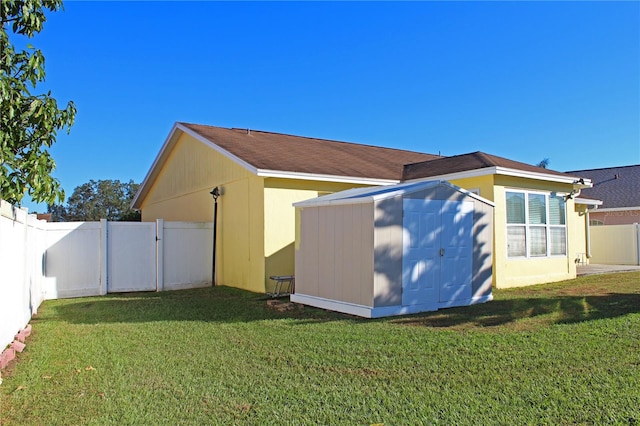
[437, 253]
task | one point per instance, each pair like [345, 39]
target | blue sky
[524, 80]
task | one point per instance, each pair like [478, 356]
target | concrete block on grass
[6, 357]
[18, 346]
[21, 337]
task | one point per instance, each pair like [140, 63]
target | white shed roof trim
[367, 195]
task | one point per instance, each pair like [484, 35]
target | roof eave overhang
[587, 201]
[505, 171]
[324, 178]
[174, 135]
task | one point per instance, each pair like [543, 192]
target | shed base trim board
[333, 305]
[383, 311]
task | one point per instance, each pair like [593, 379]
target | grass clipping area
[566, 353]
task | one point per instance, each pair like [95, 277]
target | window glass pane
[515, 207]
[516, 243]
[538, 242]
[556, 211]
[537, 209]
[558, 240]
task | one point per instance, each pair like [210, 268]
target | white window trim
[527, 225]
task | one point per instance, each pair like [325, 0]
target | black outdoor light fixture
[215, 193]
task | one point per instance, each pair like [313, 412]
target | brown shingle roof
[287, 153]
[466, 162]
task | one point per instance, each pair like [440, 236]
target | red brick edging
[17, 345]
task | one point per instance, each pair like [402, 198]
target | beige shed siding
[349, 257]
[388, 235]
[482, 279]
[307, 277]
[335, 257]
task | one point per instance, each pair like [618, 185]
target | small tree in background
[95, 200]
[544, 163]
[29, 122]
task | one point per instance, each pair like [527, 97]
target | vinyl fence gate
[131, 256]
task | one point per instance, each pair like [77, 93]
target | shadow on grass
[218, 304]
[539, 310]
[229, 305]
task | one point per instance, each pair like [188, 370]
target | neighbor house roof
[617, 187]
[480, 163]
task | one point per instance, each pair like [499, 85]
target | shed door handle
[441, 252]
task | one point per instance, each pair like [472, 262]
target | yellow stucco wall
[256, 219]
[482, 183]
[279, 220]
[521, 272]
[579, 234]
[191, 169]
[182, 192]
[279, 230]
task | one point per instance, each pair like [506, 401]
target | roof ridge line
[311, 138]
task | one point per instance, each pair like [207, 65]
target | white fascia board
[459, 175]
[618, 209]
[588, 202]
[541, 176]
[324, 178]
[495, 170]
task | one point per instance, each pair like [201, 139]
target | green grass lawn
[566, 353]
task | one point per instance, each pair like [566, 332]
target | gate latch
[441, 252]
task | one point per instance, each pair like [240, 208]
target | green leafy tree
[101, 199]
[58, 212]
[29, 122]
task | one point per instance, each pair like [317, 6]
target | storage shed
[394, 250]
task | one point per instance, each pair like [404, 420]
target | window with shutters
[536, 224]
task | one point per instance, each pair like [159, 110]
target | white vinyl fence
[22, 245]
[615, 244]
[41, 260]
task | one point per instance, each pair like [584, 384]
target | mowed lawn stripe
[564, 353]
